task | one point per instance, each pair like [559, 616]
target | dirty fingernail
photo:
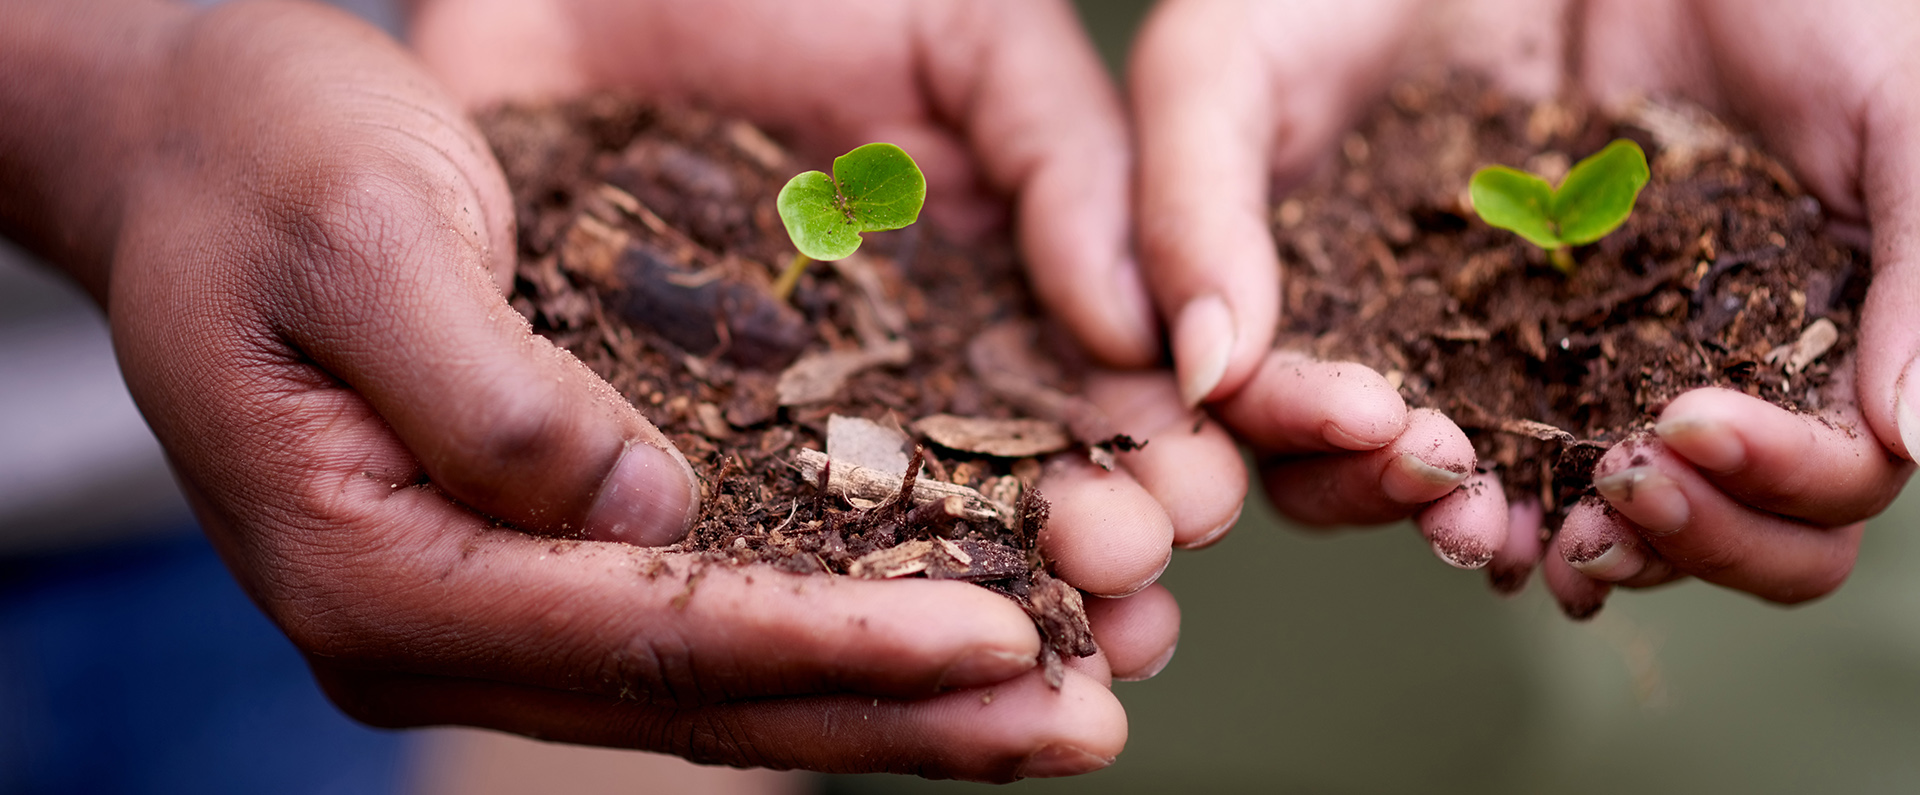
[1410, 480]
[1054, 761]
[985, 667]
[1613, 563]
[1710, 444]
[1461, 553]
[1647, 497]
[649, 499]
[1203, 340]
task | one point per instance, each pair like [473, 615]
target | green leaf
[873, 188]
[1515, 201]
[883, 186]
[808, 206]
[1598, 194]
[1595, 198]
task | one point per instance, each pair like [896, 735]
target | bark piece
[850, 481]
[897, 561]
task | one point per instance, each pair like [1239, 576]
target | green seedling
[873, 188]
[1594, 199]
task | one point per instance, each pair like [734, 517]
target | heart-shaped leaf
[873, 188]
[1598, 193]
[1594, 199]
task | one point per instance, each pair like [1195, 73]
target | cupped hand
[1231, 94]
[301, 245]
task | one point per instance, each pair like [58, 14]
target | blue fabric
[145, 669]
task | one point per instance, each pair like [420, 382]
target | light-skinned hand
[1234, 97]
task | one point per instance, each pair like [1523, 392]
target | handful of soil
[1721, 277]
[886, 423]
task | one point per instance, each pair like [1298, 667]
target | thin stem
[783, 286]
[1562, 259]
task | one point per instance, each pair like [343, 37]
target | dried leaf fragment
[1017, 438]
[817, 377]
[863, 442]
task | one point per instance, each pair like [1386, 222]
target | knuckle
[658, 669]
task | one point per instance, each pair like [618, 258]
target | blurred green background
[1357, 663]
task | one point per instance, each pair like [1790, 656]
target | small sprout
[873, 188]
[1594, 199]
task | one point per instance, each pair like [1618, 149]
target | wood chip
[755, 144]
[851, 481]
[1019, 438]
[592, 248]
[896, 561]
[1815, 340]
[818, 377]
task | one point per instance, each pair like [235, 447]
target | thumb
[365, 242]
[1889, 359]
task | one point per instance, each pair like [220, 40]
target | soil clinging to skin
[648, 239]
[1721, 277]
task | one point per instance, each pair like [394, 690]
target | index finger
[1226, 94]
[1044, 120]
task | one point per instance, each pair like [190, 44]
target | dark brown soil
[648, 239]
[1722, 277]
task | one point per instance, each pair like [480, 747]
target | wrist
[78, 116]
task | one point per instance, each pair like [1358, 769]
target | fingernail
[1710, 444]
[1613, 563]
[1906, 410]
[1411, 481]
[985, 667]
[1203, 340]
[650, 498]
[1461, 553]
[1206, 539]
[1134, 303]
[1647, 497]
[1142, 585]
[1338, 437]
[1054, 761]
[1154, 668]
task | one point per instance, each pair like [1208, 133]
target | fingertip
[1137, 633]
[1106, 535]
[1597, 546]
[1204, 339]
[1467, 526]
[1513, 564]
[649, 499]
[1579, 596]
[1430, 459]
[1697, 427]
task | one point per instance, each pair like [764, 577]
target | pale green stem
[1562, 259]
[783, 286]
